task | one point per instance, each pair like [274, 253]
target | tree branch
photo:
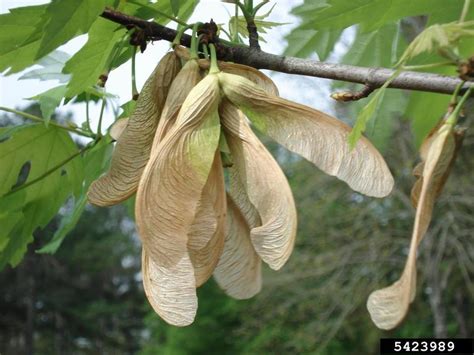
[374, 77]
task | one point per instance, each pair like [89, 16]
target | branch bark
[374, 77]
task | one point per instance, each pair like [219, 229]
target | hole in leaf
[23, 175]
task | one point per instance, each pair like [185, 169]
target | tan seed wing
[237, 187]
[171, 289]
[437, 163]
[266, 186]
[238, 192]
[239, 270]
[416, 189]
[206, 238]
[418, 170]
[117, 128]
[388, 306]
[316, 136]
[169, 191]
[205, 224]
[132, 149]
[184, 82]
[250, 73]
[182, 52]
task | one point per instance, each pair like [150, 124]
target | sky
[310, 91]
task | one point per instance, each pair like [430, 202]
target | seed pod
[265, 186]
[205, 244]
[458, 134]
[314, 135]
[252, 74]
[247, 72]
[239, 270]
[206, 236]
[388, 306]
[188, 77]
[167, 197]
[132, 149]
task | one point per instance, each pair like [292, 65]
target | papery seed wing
[205, 257]
[184, 82]
[239, 270]
[252, 74]
[416, 189]
[316, 136]
[117, 128]
[205, 222]
[182, 52]
[437, 163]
[206, 236]
[169, 190]
[170, 289]
[458, 134]
[238, 192]
[266, 186]
[132, 149]
[388, 306]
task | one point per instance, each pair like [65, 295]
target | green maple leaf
[66, 19]
[39, 149]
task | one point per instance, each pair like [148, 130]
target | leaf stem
[194, 43]
[52, 170]
[117, 51]
[88, 121]
[99, 124]
[214, 68]
[115, 55]
[249, 4]
[134, 82]
[206, 51]
[55, 124]
[454, 115]
[243, 8]
[368, 111]
[177, 39]
[454, 97]
[465, 9]
[427, 66]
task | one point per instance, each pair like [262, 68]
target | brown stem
[262, 60]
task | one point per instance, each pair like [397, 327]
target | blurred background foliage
[87, 298]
